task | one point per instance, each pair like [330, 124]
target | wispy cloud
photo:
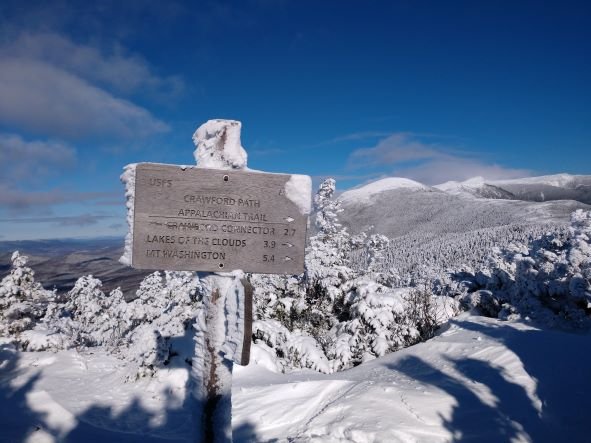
[55, 87]
[64, 221]
[40, 97]
[25, 164]
[394, 149]
[343, 177]
[408, 155]
[386, 137]
[354, 136]
[438, 171]
[22, 159]
[125, 73]
[17, 201]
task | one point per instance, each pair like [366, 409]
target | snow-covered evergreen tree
[164, 310]
[333, 317]
[23, 301]
[141, 331]
[93, 318]
[548, 280]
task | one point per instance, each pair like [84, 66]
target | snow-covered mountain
[398, 206]
[457, 224]
[377, 187]
[536, 189]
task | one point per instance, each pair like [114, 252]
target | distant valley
[59, 263]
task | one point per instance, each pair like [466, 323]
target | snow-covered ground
[479, 380]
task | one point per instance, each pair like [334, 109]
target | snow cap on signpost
[218, 146]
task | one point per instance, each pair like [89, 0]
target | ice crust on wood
[230, 323]
[231, 285]
[218, 145]
[128, 179]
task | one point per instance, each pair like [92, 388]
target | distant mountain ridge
[534, 189]
[434, 229]
[397, 206]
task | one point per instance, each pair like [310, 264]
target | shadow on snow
[98, 423]
[18, 419]
[559, 364]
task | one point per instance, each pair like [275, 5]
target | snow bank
[480, 379]
[41, 339]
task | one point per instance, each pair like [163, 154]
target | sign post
[220, 218]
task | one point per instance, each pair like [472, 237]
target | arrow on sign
[288, 219]
[289, 245]
[287, 259]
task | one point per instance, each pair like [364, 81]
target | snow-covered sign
[198, 219]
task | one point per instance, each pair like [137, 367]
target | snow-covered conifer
[92, 317]
[23, 301]
[547, 280]
[164, 310]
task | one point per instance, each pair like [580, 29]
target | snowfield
[478, 379]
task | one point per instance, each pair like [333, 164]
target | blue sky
[433, 91]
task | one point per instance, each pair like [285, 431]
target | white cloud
[18, 201]
[56, 87]
[39, 97]
[26, 164]
[396, 148]
[355, 136]
[437, 171]
[124, 72]
[21, 159]
[405, 155]
[64, 221]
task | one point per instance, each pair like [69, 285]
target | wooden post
[217, 146]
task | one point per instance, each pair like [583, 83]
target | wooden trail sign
[198, 219]
[217, 217]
